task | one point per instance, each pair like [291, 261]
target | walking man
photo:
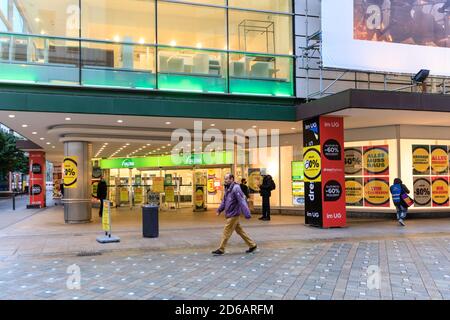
[234, 204]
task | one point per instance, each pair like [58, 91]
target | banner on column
[376, 192]
[37, 172]
[422, 192]
[70, 165]
[323, 157]
[440, 192]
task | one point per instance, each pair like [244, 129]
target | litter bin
[150, 223]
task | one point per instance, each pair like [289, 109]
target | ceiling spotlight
[168, 122]
[24, 126]
[41, 138]
[48, 143]
[34, 132]
[119, 121]
[127, 144]
[213, 124]
[68, 119]
[12, 116]
[53, 147]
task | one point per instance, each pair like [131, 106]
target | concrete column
[77, 201]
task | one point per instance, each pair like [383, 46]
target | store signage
[168, 179]
[37, 178]
[421, 159]
[324, 172]
[70, 165]
[211, 182]
[422, 192]
[224, 157]
[440, 192]
[124, 195]
[353, 161]
[376, 160]
[170, 193]
[138, 197]
[439, 160]
[376, 192]
[297, 170]
[354, 192]
[158, 185]
[94, 188]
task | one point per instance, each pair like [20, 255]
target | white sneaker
[401, 223]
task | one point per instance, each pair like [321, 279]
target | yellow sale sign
[70, 172]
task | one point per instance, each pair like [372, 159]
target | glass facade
[199, 45]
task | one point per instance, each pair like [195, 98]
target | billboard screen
[399, 36]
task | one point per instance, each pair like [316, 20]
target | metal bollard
[14, 201]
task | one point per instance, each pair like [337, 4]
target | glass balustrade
[65, 61]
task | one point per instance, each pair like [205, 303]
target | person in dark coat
[265, 190]
[244, 188]
[102, 191]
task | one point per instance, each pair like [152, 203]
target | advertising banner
[37, 172]
[421, 159]
[353, 161]
[297, 171]
[199, 198]
[70, 165]
[422, 192]
[210, 183]
[124, 194]
[376, 160]
[298, 193]
[354, 192]
[170, 193]
[439, 160]
[254, 180]
[106, 218]
[138, 195]
[386, 35]
[324, 172]
[57, 181]
[168, 180]
[158, 185]
[376, 192]
[440, 191]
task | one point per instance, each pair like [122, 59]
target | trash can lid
[149, 206]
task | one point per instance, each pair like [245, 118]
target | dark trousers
[100, 214]
[266, 207]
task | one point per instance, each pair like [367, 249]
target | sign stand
[106, 224]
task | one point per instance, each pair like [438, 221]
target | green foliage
[11, 158]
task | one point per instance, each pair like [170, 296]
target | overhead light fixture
[41, 138]
[254, 127]
[53, 147]
[168, 122]
[48, 143]
[37, 19]
[116, 38]
[142, 40]
[173, 43]
[119, 121]
[127, 144]
[213, 124]
[24, 126]
[34, 132]
[12, 116]
[68, 119]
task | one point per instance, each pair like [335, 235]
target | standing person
[265, 190]
[397, 189]
[234, 204]
[244, 188]
[102, 191]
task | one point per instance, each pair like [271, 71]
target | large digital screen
[398, 36]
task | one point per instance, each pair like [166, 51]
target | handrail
[250, 53]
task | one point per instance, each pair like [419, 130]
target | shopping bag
[407, 200]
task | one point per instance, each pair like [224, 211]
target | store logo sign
[128, 163]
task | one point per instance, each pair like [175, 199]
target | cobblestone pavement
[408, 268]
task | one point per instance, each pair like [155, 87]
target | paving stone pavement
[400, 268]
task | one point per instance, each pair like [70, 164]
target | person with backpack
[102, 192]
[397, 189]
[265, 190]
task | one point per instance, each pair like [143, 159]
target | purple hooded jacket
[234, 202]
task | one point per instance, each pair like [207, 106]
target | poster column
[37, 172]
[324, 172]
[77, 174]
